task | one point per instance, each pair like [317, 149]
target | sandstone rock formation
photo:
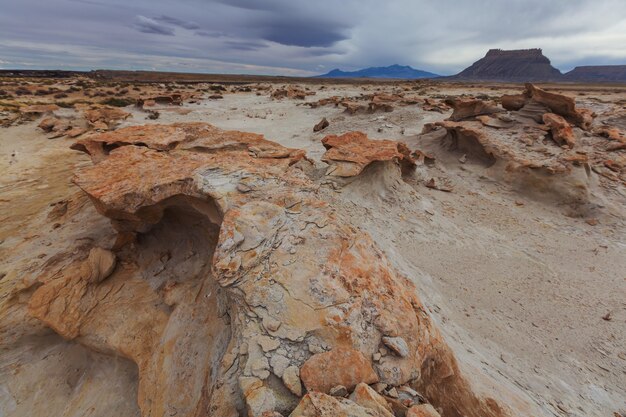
[562, 132]
[561, 105]
[293, 92]
[515, 146]
[469, 108]
[351, 152]
[232, 280]
[104, 117]
[36, 110]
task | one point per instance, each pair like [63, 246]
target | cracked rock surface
[255, 269]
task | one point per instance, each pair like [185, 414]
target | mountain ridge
[392, 71]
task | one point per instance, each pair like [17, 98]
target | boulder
[470, 108]
[561, 131]
[104, 117]
[562, 105]
[315, 404]
[38, 109]
[323, 124]
[422, 410]
[366, 397]
[513, 102]
[340, 366]
[351, 152]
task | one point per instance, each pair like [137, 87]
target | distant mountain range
[531, 65]
[392, 71]
[603, 73]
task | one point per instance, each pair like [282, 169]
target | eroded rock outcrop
[104, 117]
[543, 145]
[351, 152]
[468, 108]
[556, 103]
[517, 155]
[234, 281]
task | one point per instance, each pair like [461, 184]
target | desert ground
[516, 250]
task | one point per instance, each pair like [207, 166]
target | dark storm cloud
[299, 37]
[177, 22]
[302, 33]
[245, 46]
[147, 25]
[208, 34]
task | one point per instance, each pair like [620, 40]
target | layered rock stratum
[514, 65]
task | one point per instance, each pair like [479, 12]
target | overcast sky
[303, 37]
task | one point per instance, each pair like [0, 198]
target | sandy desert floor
[529, 295]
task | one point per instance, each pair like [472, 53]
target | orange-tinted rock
[37, 109]
[422, 410]
[517, 155]
[316, 404]
[513, 102]
[340, 366]
[323, 124]
[201, 137]
[366, 397]
[48, 124]
[75, 132]
[470, 108]
[291, 92]
[100, 116]
[561, 131]
[495, 122]
[435, 105]
[351, 152]
[561, 105]
[175, 99]
[223, 222]
[353, 107]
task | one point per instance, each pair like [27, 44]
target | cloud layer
[298, 37]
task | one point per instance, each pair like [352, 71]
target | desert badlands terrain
[311, 248]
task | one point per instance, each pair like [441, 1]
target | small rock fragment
[271, 324]
[323, 124]
[422, 410]
[339, 391]
[366, 397]
[291, 379]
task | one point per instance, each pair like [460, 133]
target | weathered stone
[470, 108]
[397, 345]
[351, 152]
[99, 265]
[340, 366]
[561, 105]
[513, 102]
[366, 397]
[422, 410]
[315, 404]
[561, 131]
[100, 116]
[291, 379]
[38, 109]
[175, 188]
[323, 124]
[339, 391]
